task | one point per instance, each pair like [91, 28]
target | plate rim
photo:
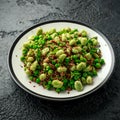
[14, 77]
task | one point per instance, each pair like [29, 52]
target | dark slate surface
[18, 15]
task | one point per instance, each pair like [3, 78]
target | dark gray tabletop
[18, 15]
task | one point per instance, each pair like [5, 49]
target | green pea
[78, 86]
[84, 74]
[50, 72]
[82, 59]
[37, 80]
[102, 61]
[98, 65]
[24, 51]
[94, 72]
[22, 58]
[62, 88]
[31, 77]
[58, 90]
[48, 68]
[57, 83]
[48, 87]
[36, 72]
[71, 82]
[96, 60]
[57, 65]
[49, 82]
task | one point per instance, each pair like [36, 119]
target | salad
[62, 60]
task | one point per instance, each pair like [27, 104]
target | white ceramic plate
[19, 76]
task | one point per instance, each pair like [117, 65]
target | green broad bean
[68, 35]
[62, 57]
[31, 38]
[88, 68]
[28, 72]
[30, 59]
[42, 77]
[33, 65]
[89, 80]
[83, 40]
[30, 52]
[78, 85]
[57, 39]
[95, 55]
[88, 56]
[83, 33]
[83, 80]
[59, 52]
[68, 50]
[94, 41]
[61, 69]
[72, 42]
[45, 64]
[26, 44]
[81, 66]
[45, 51]
[67, 29]
[73, 68]
[54, 35]
[51, 31]
[64, 38]
[28, 64]
[76, 49]
[39, 31]
[57, 83]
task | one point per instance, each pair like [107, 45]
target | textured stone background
[18, 15]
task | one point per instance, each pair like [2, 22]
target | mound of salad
[62, 60]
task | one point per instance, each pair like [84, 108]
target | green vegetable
[57, 83]
[62, 59]
[78, 86]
